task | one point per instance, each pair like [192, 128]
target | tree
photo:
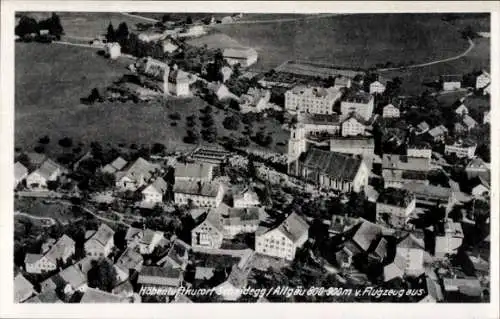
[110, 34]
[251, 170]
[189, 20]
[39, 149]
[192, 136]
[55, 27]
[66, 142]
[158, 148]
[44, 140]
[166, 17]
[26, 26]
[122, 33]
[102, 275]
[231, 123]
[52, 185]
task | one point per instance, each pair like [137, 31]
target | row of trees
[28, 26]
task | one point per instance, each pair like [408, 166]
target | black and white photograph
[173, 156]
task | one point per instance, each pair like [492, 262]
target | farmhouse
[255, 100]
[135, 174]
[283, 241]
[153, 193]
[450, 82]
[365, 237]
[99, 243]
[198, 172]
[438, 133]
[394, 207]
[209, 233]
[51, 256]
[461, 149]
[477, 167]
[390, 111]
[208, 194]
[242, 56]
[117, 165]
[409, 259]
[359, 102]
[20, 173]
[69, 281]
[178, 82]
[145, 240]
[333, 170]
[377, 88]
[355, 125]
[313, 100]
[48, 171]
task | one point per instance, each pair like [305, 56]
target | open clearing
[51, 79]
[38, 207]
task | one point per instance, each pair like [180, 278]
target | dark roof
[395, 197]
[358, 97]
[165, 276]
[336, 165]
[451, 78]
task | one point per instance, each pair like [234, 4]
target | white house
[482, 80]
[450, 240]
[208, 194]
[208, 234]
[135, 175]
[451, 82]
[178, 82]
[48, 171]
[198, 172]
[377, 87]
[315, 100]
[390, 111]
[283, 241]
[461, 149]
[59, 251]
[409, 259]
[243, 56]
[246, 198]
[99, 243]
[113, 50]
[462, 110]
[155, 191]
[354, 125]
[145, 240]
[20, 173]
[394, 207]
[359, 102]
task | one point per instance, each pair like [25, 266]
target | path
[312, 17]
[96, 215]
[140, 17]
[413, 66]
[50, 219]
[78, 44]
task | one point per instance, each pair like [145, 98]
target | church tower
[296, 146]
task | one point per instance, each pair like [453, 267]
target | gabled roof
[240, 216]
[336, 165]
[165, 276]
[366, 234]
[59, 248]
[32, 258]
[92, 295]
[404, 162]
[396, 269]
[119, 163]
[358, 97]
[294, 227]
[357, 117]
[438, 130]
[158, 186]
[48, 168]
[130, 259]
[103, 235]
[239, 53]
[19, 170]
[477, 163]
[139, 168]
[193, 170]
[177, 256]
[209, 189]
[22, 287]
[411, 242]
[145, 236]
[73, 276]
[48, 296]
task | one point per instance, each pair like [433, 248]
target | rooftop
[92, 295]
[239, 53]
[395, 197]
[358, 97]
[103, 234]
[404, 162]
[193, 170]
[130, 259]
[335, 165]
[165, 276]
[319, 119]
[208, 189]
[59, 249]
[366, 234]
[294, 227]
[138, 169]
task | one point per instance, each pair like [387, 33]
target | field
[37, 207]
[48, 103]
[351, 40]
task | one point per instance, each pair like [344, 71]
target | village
[375, 188]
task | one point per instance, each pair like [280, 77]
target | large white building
[208, 194]
[394, 207]
[283, 241]
[450, 240]
[377, 87]
[461, 149]
[113, 50]
[390, 111]
[174, 81]
[360, 102]
[313, 100]
[242, 56]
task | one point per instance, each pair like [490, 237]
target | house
[177, 256]
[448, 241]
[209, 233]
[246, 198]
[129, 262]
[461, 149]
[486, 117]
[477, 167]
[150, 36]
[117, 165]
[438, 133]
[480, 187]
[145, 240]
[48, 171]
[462, 110]
[193, 31]
[135, 174]
[359, 102]
[450, 82]
[203, 273]
[211, 155]
[237, 220]
[169, 46]
[222, 92]
[160, 277]
[231, 289]
[153, 68]
[364, 146]
[354, 125]
[408, 261]
[422, 128]
[398, 178]
[394, 207]
[20, 173]
[469, 122]
[400, 169]
[315, 100]
[483, 80]
[429, 196]
[68, 281]
[207, 194]
[465, 289]
[226, 73]
[49, 296]
[341, 224]
[377, 87]
[178, 82]
[93, 295]
[459, 128]
[198, 172]
[284, 240]
[23, 289]
[245, 57]
[112, 50]
[390, 111]
[99, 243]
[365, 237]
[419, 150]
[124, 290]
[255, 100]
[60, 251]
[433, 290]
[342, 82]
[333, 170]
[155, 191]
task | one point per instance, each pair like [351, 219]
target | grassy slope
[357, 40]
[50, 80]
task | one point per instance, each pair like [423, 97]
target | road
[413, 66]
[140, 17]
[50, 219]
[310, 17]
